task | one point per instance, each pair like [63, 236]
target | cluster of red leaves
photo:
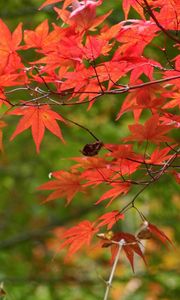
[66, 56]
[81, 62]
[97, 171]
[82, 234]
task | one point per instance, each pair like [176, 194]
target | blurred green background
[29, 270]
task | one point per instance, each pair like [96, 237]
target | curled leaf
[92, 149]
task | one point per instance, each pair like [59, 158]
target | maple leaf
[174, 102]
[37, 37]
[171, 120]
[97, 176]
[169, 14]
[113, 70]
[110, 219]
[38, 118]
[66, 52]
[130, 246]
[159, 233]
[108, 33]
[159, 156]
[95, 47]
[140, 99]
[135, 36]
[124, 156]
[156, 232]
[90, 162]
[83, 16]
[65, 184]
[136, 5]
[11, 69]
[117, 190]
[152, 131]
[9, 43]
[84, 11]
[78, 236]
[9, 80]
[49, 2]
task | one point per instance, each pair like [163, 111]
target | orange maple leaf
[78, 236]
[151, 131]
[65, 184]
[38, 118]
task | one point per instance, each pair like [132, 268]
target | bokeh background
[29, 269]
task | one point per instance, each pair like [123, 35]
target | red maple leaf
[110, 219]
[38, 37]
[38, 118]
[158, 233]
[134, 37]
[168, 15]
[9, 43]
[83, 15]
[171, 119]
[87, 162]
[141, 99]
[65, 184]
[151, 131]
[95, 47]
[11, 68]
[130, 246]
[118, 189]
[78, 236]
[127, 4]
[173, 103]
[124, 155]
[159, 156]
[149, 230]
[49, 2]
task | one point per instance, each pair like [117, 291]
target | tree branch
[109, 282]
[149, 10]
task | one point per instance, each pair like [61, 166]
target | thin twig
[83, 127]
[131, 203]
[109, 282]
